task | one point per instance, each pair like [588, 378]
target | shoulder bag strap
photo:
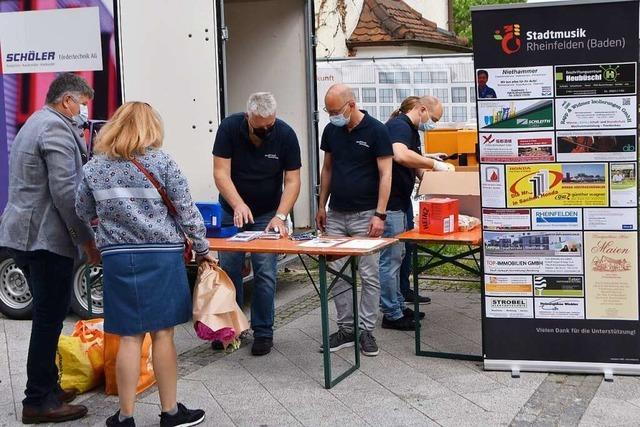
[161, 190]
[170, 207]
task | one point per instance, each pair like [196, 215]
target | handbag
[216, 314]
[188, 244]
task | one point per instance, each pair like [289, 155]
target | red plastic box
[439, 216]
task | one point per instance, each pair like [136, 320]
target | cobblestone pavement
[395, 388]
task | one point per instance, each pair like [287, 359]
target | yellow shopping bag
[80, 357]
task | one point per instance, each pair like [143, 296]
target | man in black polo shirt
[253, 154]
[357, 174]
[414, 114]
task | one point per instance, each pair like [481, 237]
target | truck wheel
[79, 296]
[15, 296]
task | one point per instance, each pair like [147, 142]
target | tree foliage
[462, 14]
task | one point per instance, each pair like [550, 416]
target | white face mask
[82, 117]
[84, 112]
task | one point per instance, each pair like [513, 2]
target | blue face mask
[339, 120]
[427, 126]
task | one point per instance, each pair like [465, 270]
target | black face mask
[263, 133]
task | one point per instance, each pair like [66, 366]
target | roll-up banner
[557, 130]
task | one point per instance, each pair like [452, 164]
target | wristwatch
[281, 217]
[382, 216]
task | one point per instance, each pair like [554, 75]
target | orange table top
[472, 237]
[288, 246]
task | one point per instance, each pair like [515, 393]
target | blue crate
[222, 231]
[211, 213]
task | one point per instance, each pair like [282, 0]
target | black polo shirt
[402, 130]
[257, 172]
[354, 173]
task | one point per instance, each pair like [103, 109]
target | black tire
[15, 297]
[79, 303]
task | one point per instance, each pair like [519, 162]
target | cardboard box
[438, 216]
[463, 142]
[463, 184]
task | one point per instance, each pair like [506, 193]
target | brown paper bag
[216, 315]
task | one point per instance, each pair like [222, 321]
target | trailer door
[168, 57]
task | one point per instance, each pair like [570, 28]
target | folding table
[322, 256]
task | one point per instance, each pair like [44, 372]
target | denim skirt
[144, 289]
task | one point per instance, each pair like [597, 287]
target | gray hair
[68, 84]
[262, 104]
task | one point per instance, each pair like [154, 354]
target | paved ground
[394, 389]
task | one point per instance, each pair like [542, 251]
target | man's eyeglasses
[335, 113]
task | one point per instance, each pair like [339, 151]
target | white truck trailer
[197, 61]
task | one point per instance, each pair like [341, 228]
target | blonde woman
[141, 242]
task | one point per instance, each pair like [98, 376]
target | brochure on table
[559, 188]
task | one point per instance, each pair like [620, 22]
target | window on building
[421, 92]
[372, 110]
[385, 77]
[472, 113]
[441, 94]
[385, 112]
[385, 95]
[402, 94]
[459, 94]
[461, 73]
[438, 76]
[368, 94]
[394, 77]
[356, 93]
[445, 115]
[472, 94]
[421, 77]
[403, 77]
[459, 114]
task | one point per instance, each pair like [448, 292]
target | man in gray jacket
[42, 231]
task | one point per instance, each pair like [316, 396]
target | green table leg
[324, 313]
[416, 300]
[356, 317]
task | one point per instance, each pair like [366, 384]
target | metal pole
[312, 108]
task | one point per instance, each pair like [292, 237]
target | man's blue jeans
[50, 278]
[264, 277]
[405, 269]
[391, 299]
